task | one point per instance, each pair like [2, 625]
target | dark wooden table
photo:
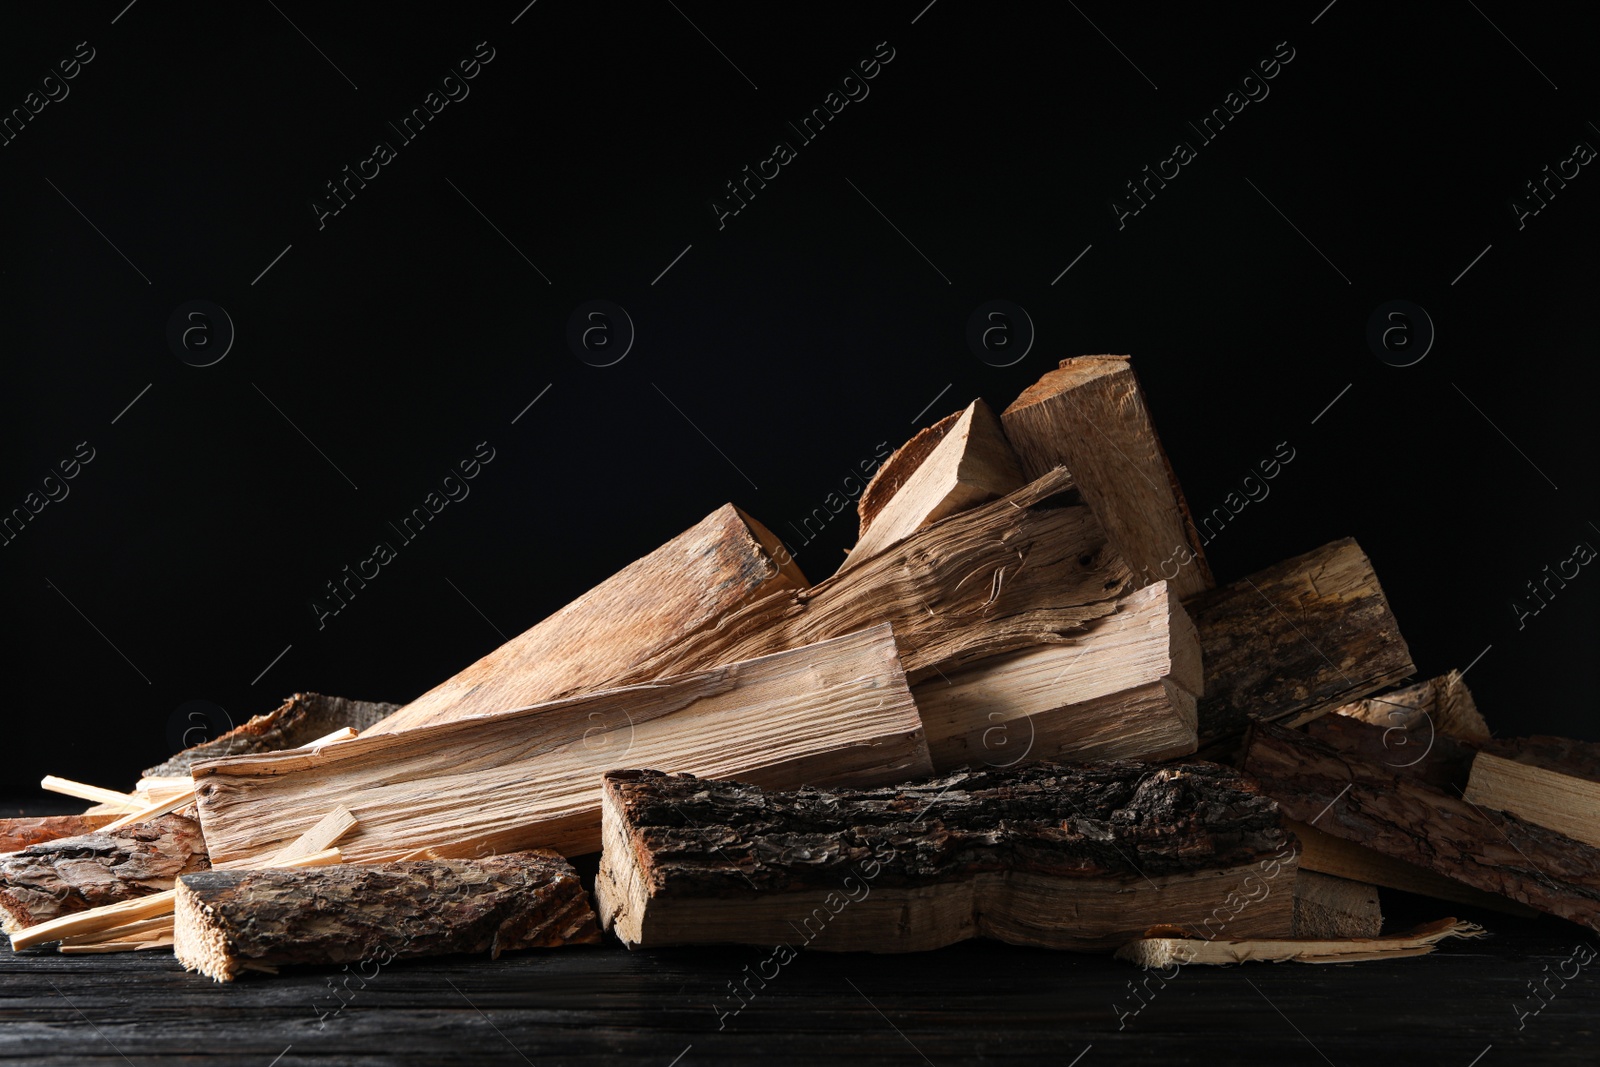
[971, 1003]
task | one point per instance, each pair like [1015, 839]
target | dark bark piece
[228, 922]
[1373, 805]
[1089, 415]
[18, 834]
[683, 587]
[301, 719]
[1416, 752]
[1296, 639]
[1013, 573]
[1080, 856]
[71, 874]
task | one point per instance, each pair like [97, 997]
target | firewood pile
[1021, 709]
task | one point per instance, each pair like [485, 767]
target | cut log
[301, 719]
[836, 712]
[1552, 782]
[18, 834]
[1051, 855]
[1295, 640]
[1418, 752]
[44, 881]
[1162, 951]
[1329, 907]
[1440, 705]
[230, 922]
[682, 588]
[1016, 572]
[1414, 822]
[895, 471]
[1124, 688]
[1090, 416]
[971, 464]
[1322, 852]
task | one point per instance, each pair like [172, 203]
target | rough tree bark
[227, 922]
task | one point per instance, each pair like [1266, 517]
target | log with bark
[1323, 853]
[835, 712]
[1090, 416]
[1295, 640]
[971, 463]
[1401, 817]
[682, 588]
[230, 922]
[1053, 855]
[1553, 782]
[1419, 751]
[303, 718]
[70, 874]
[1124, 688]
[18, 834]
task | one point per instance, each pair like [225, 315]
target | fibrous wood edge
[1358, 801]
[1090, 416]
[1324, 853]
[1441, 705]
[1302, 636]
[835, 712]
[18, 834]
[1326, 906]
[230, 922]
[973, 463]
[1030, 568]
[894, 472]
[302, 718]
[1553, 782]
[1124, 688]
[682, 588]
[1163, 952]
[73, 874]
[1059, 856]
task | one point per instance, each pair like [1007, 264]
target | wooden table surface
[970, 1003]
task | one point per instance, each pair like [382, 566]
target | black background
[797, 339]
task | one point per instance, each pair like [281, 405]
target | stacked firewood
[1021, 709]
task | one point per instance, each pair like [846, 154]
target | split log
[303, 718]
[45, 881]
[18, 834]
[1161, 951]
[895, 471]
[1058, 856]
[838, 712]
[1414, 822]
[1440, 705]
[1017, 572]
[1295, 640]
[971, 464]
[1125, 688]
[1553, 782]
[1323, 853]
[1090, 416]
[1329, 907]
[230, 922]
[682, 588]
